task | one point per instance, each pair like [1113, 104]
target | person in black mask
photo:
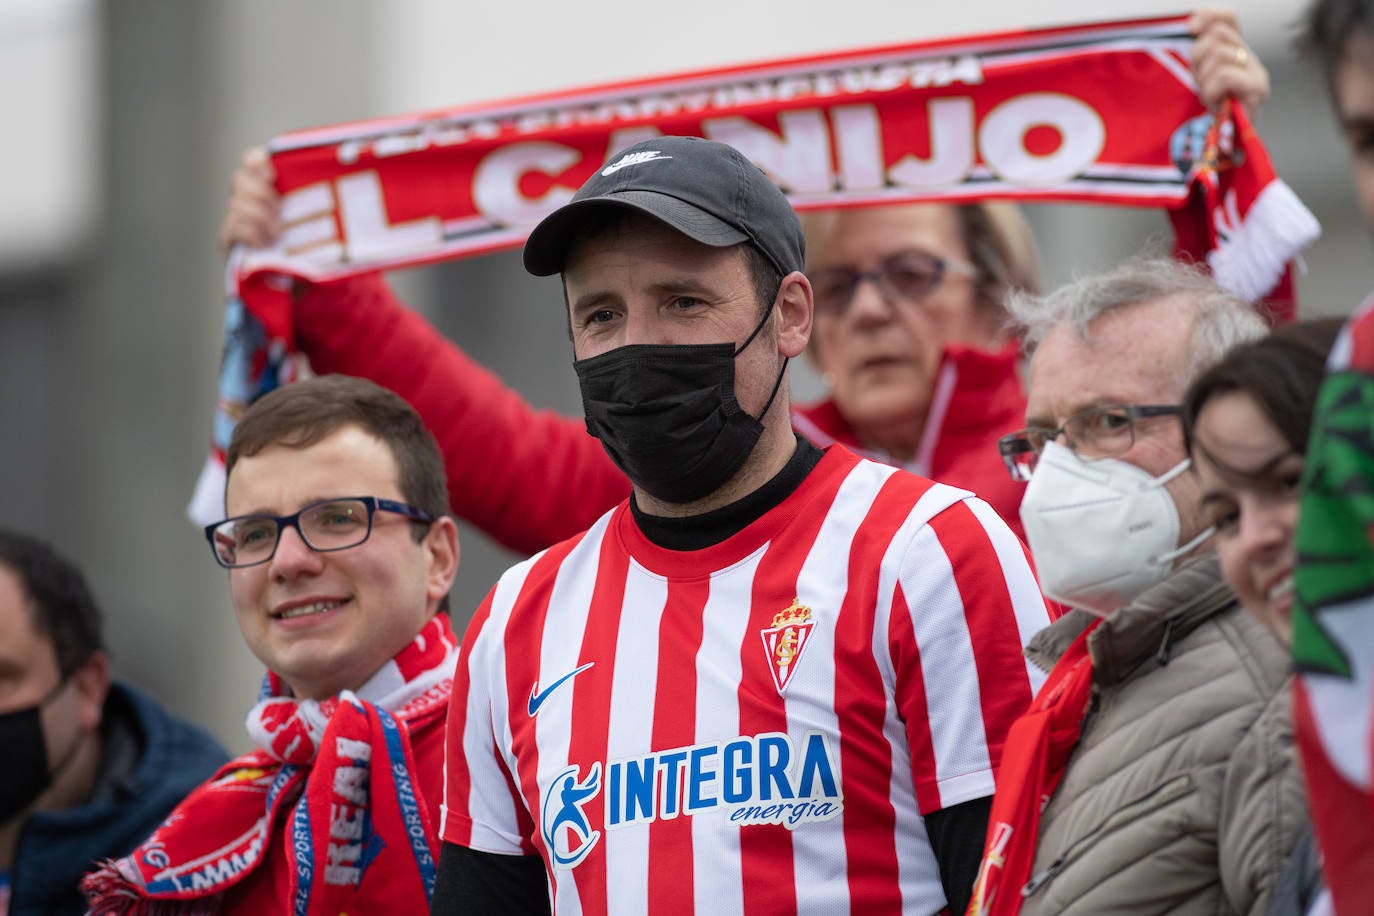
[659, 388]
[774, 674]
[87, 767]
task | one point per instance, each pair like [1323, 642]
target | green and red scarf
[1333, 618]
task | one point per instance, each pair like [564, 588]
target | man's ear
[441, 553]
[794, 305]
[92, 682]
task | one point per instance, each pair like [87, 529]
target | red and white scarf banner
[1103, 113]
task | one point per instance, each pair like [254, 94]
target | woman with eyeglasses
[909, 335]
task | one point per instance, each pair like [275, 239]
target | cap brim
[547, 246]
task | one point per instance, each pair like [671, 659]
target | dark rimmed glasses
[330, 524]
[906, 277]
[1097, 432]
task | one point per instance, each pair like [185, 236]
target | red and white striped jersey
[757, 726]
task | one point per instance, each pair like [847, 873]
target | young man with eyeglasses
[340, 559]
[1154, 772]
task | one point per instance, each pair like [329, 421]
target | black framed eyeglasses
[905, 277]
[1097, 432]
[330, 524]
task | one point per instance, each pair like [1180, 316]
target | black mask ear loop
[778, 382]
[755, 333]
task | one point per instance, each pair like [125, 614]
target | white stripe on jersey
[963, 768]
[486, 666]
[1026, 602]
[932, 503]
[632, 728]
[818, 852]
[915, 856]
[569, 604]
[716, 874]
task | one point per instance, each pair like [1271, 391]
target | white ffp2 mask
[1101, 531]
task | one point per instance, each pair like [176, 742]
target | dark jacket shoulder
[150, 761]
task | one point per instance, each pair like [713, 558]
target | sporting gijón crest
[785, 641]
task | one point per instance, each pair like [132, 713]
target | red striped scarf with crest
[1103, 113]
[336, 777]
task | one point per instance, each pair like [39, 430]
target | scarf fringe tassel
[1277, 226]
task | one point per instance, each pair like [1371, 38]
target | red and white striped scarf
[1103, 113]
[341, 770]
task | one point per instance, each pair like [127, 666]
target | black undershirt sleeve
[956, 837]
[470, 881]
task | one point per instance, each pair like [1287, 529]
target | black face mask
[24, 772]
[667, 414]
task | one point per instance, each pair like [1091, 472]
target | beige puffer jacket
[1183, 795]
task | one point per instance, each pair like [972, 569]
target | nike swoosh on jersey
[537, 698]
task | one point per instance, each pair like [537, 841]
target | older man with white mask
[1154, 771]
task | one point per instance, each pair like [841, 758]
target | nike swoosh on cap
[537, 698]
[630, 159]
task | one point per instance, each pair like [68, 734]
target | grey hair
[1222, 321]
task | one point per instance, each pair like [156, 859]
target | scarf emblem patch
[785, 640]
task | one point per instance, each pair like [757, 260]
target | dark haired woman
[1246, 421]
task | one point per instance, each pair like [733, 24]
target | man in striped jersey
[774, 679]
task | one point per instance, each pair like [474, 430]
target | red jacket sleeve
[528, 478]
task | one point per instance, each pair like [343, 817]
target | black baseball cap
[706, 190]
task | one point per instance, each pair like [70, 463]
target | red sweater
[530, 478]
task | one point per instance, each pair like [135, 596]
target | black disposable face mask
[667, 414]
[24, 772]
